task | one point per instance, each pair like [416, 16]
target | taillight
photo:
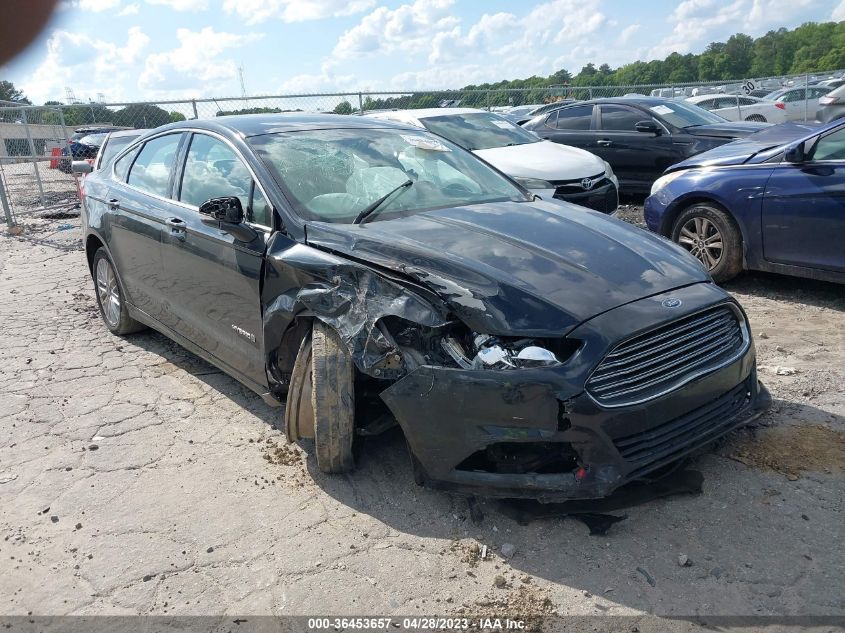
[780, 105]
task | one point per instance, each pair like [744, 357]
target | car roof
[246, 125]
[136, 132]
[425, 113]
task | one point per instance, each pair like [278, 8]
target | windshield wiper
[373, 206]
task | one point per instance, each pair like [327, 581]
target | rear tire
[758, 118]
[711, 236]
[321, 399]
[110, 298]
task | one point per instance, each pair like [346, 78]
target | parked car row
[640, 137]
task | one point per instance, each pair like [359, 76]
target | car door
[139, 204]
[637, 158]
[804, 208]
[570, 126]
[726, 107]
[213, 297]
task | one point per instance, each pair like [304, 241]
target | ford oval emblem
[671, 302]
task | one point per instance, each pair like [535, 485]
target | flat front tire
[321, 399]
[110, 299]
[709, 234]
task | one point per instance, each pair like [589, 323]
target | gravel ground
[137, 479]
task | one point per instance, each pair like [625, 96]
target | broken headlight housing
[492, 352]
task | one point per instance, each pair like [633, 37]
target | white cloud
[409, 28]
[838, 14]
[129, 9]
[695, 22]
[257, 11]
[627, 33]
[770, 13]
[496, 46]
[194, 64]
[182, 5]
[88, 65]
[94, 6]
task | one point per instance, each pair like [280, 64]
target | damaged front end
[503, 415]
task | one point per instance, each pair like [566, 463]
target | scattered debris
[592, 511]
[483, 552]
[684, 560]
[648, 577]
[209, 550]
[500, 582]
[54, 519]
[508, 550]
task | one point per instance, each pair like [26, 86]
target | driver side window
[831, 147]
[213, 170]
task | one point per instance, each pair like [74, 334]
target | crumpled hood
[739, 129]
[741, 150]
[546, 160]
[538, 268]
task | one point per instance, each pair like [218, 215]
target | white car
[548, 169]
[801, 103]
[742, 108]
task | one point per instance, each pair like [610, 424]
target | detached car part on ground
[547, 169]
[771, 202]
[371, 274]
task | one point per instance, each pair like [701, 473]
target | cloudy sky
[158, 49]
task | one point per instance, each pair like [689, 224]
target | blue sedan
[774, 201]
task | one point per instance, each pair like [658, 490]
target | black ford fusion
[368, 274]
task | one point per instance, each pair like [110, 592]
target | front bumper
[604, 198]
[450, 415]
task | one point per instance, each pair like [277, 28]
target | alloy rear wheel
[110, 298]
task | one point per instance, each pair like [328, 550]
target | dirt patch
[792, 450]
[526, 602]
[282, 454]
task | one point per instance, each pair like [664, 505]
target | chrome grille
[665, 358]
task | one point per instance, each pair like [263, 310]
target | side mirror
[228, 210]
[227, 214]
[648, 127]
[81, 167]
[794, 153]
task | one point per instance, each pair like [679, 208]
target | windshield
[332, 175]
[478, 130]
[95, 139]
[115, 144]
[685, 114]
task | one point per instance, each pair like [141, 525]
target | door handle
[177, 228]
[604, 142]
[114, 204]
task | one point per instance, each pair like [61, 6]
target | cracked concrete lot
[137, 479]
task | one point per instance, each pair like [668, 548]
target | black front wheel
[710, 235]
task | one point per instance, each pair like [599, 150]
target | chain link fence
[36, 141]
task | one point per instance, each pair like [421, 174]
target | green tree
[344, 107]
[141, 115]
[8, 92]
[177, 116]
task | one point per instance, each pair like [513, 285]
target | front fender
[302, 281]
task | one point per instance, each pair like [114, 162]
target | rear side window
[122, 165]
[113, 147]
[620, 118]
[152, 169]
[575, 118]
